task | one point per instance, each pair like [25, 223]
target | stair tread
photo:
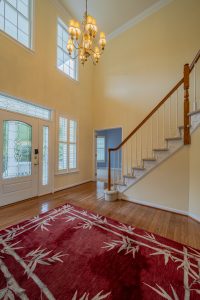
[182, 126]
[194, 112]
[161, 149]
[138, 168]
[175, 138]
[128, 176]
[149, 159]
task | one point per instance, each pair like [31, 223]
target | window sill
[9, 37]
[76, 81]
[67, 172]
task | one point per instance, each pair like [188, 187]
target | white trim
[195, 217]
[154, 205]
[134, 21]
[71, 185]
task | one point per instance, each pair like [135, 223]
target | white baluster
[164, 123]
[152, 152]
[177, 122]
[158, 129]
[127, 158]
[136, 154]
[140, 146]
[170, 117]
[195, 95]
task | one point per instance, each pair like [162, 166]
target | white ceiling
[110, 14]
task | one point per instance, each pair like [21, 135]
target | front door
[21, 176]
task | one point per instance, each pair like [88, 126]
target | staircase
[164, 131]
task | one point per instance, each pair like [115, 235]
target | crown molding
[132, 22]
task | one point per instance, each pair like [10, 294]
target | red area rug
[71, 254]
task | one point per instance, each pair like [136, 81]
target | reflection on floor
[91, 196]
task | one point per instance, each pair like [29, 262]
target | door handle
[36, 157]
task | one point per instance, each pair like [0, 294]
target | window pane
[45, 156]
[22, 8]
[23, 38]
[17, 149]
[60, 59]
[15, 19]
[62, 129]
[23, 24]
[1, 15]
[25, 108]
[64, 63]
[11, 14]
[72, 156]
[72, 131]
[13, 2]
[62, 156]
[100, 149]
[10, 29]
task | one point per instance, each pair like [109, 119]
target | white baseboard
[71, 185]
[155, 205]
[195, 217]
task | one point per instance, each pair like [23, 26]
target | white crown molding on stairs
[134, 21]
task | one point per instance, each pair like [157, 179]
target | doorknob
[36, 157]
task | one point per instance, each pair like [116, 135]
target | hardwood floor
[90, 196]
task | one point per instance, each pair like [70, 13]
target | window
[15, 20]
[25, 108]
[17, 148]
[101, 143]
[67, 145]
[45, 156]
[64, 62]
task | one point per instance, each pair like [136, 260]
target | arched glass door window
[17, 149]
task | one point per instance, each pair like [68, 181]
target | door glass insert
[17, 149]
[45, 155]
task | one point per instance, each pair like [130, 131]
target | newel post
[109, 169]
[187, 138]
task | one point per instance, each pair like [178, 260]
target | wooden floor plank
[90, 196]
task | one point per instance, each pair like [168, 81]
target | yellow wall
[141, 65]
[194, 186]
[167, 186]
[34, 76]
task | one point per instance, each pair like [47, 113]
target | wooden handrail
[186, 123]
[195, 60]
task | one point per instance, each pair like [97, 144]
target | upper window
[67, 145]
[64, 62]
[25, 108]
[15, 19]
[101, 144]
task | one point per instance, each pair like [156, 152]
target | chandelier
[82, 40]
